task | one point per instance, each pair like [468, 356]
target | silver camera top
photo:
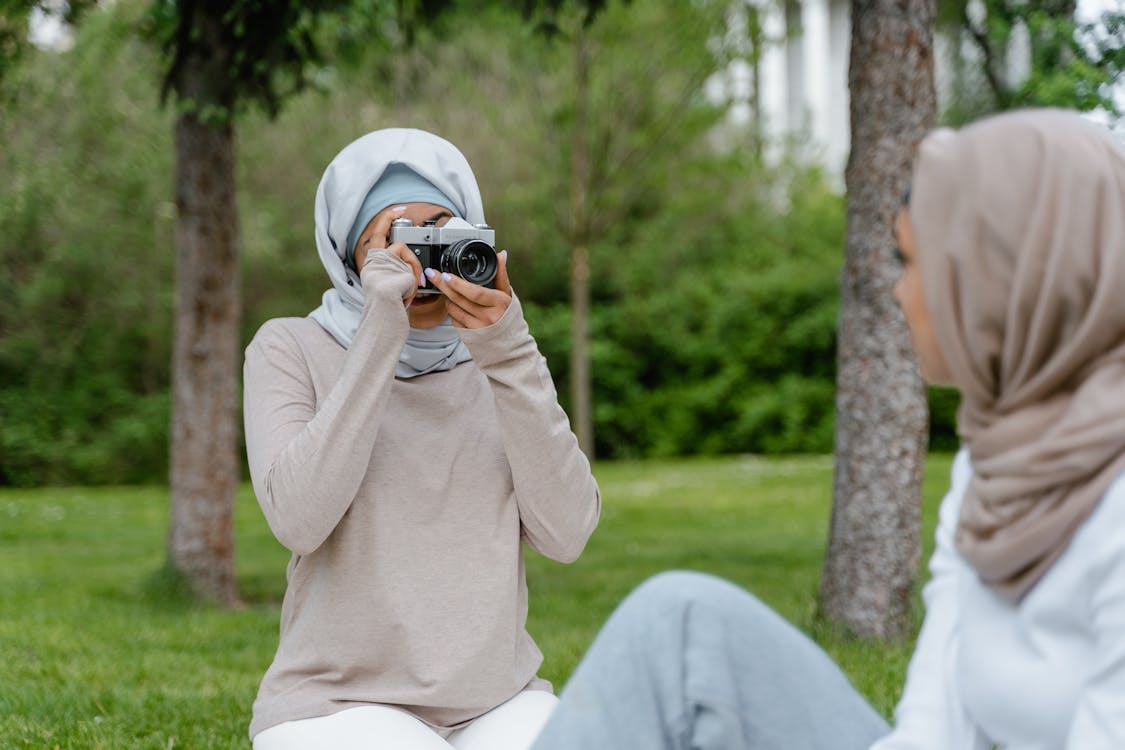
[404, 230]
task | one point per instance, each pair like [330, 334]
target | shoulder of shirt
[287, 332]
[1115, 495]
[1102, 529]
[962, 467]
[959, 476]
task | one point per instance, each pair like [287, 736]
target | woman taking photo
[404, 445]
[1013, 286]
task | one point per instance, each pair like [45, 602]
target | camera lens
[473, 260]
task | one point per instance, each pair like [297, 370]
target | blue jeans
[692, 662]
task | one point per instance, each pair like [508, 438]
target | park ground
[100, 651]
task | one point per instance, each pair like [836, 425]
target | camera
[458, 248]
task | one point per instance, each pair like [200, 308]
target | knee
[679, 590]
[687, 607]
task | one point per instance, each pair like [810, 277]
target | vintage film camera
[458, 248]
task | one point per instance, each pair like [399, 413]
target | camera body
[463, 250]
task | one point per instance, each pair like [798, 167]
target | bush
[85, 296]
[724, 341]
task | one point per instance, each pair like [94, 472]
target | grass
[98, 649]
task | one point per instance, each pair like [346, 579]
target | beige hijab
[1019, 222]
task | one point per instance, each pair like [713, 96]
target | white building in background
[46, 27]
[802, 73]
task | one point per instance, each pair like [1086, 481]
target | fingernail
[446, 277]
[504, 255]
[421, 281]
[430, 273]
[399, 209]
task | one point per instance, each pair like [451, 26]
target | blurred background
[717, 133]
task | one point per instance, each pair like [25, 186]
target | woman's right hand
[386, 278]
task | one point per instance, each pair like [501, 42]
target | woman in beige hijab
[1013, 286]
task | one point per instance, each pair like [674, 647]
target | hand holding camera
[375, 238]
[472, 305]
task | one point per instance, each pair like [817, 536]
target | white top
[1045, 674]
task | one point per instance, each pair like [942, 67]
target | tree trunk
[580, 385]
[873, 547]
[204, 463]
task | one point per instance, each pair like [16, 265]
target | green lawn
[95, 652]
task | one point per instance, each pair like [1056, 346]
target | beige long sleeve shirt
[405, 503]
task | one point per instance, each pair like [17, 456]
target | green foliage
[943, 418]
[714, 278]
[14, 18]
[1073, 64]
[13, 33]
[85, 292]
[711, 285]
[723, 330]
[545, 14]
[254, 51]
[101, 650]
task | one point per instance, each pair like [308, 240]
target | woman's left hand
[471, 305]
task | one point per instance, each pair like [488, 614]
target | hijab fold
[1019, 222]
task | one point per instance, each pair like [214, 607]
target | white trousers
[513, 725]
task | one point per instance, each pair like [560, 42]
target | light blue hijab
[399, 184]
[418, 166]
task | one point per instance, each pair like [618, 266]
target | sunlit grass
[99, 651]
